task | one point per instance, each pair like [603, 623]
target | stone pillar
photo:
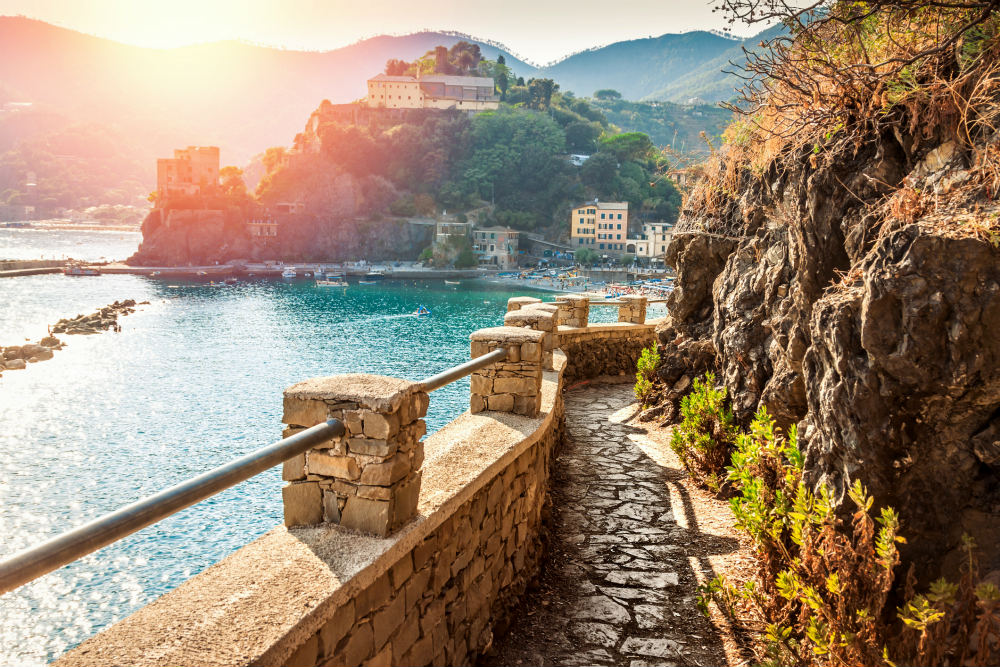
[514, 384]
[540, 317]
[369, 480]
[565, 310]
[577, 310]
[633, 310]
[519, 302]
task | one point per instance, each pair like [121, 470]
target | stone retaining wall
[604, 349]
[432, 592]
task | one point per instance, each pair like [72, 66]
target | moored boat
[331, 283]
[80, 270]
[289, 272]
[452, 282]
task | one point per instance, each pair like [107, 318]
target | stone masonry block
[500, 402]
[303, 503]
[515, 385]
[372, 447]
[481, 385]
[384, 474]
[380, 426]
[294, 468]
[531, 351]
[304, 411]
[366, 515]
[341, 467]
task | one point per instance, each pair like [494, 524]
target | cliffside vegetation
[839, 270]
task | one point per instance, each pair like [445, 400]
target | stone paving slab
[619, 587]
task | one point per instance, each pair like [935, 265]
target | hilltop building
[432, 91]
[496, 247]
[192, 171]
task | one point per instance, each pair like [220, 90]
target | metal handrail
[62, 550]
[460, 371]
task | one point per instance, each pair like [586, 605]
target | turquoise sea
[193, 380]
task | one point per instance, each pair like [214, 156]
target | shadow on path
[626, 553]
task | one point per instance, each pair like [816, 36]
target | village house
[603, 228]
[446, 229]
[600, 225]
[192, 171]
[432, 91]
[496, 247]
[262, 227]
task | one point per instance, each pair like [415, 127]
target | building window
[619, 216]
[619, 237]
[602, 246]
[619, 226]
[602, 216]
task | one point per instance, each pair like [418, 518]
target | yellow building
[600, 226]
[192, 171]
[432, 91]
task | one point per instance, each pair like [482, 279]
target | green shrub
[645, 368]
[704, 439]
[822, 591]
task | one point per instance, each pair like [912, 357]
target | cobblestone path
[619, 586]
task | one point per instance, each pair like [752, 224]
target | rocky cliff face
[876, 330]
[179, 237]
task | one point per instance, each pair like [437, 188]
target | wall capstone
[519, 302]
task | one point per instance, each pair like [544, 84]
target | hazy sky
[540, 30]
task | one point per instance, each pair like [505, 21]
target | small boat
[307, 274]
[453, 282]
[80, 270]
[231, 281]
[421, 312]
[331, 283]
[154, 274]
[289, 273]
[368, 282]
[374, 275]
[202, 273]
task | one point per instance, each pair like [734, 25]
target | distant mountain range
[246, 98]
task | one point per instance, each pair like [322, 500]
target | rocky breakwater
[858, 298]
[101, 320]
[17, 357]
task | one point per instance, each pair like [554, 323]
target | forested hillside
[668, 124]
[514, 157]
